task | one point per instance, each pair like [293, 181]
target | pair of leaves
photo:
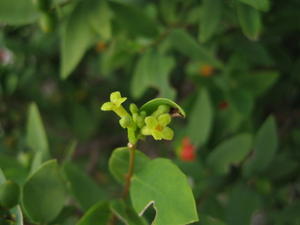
[86, 20]
[201, 119]
[153, 70]
[158, 182]
[17, 12]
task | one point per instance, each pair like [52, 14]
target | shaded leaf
[36, 136]
[210, 18]
[265, 146]
[77, 36]
[119, 163]
[44, 193]
[230, 152]
[153, 70]
[250, 20]
[241, 206]
[162, 184]
[83, 188]
[263, 5]
[98, 214]
[126, 214]
[242, 101]
[200, 119]
[17, 12]
[188, 46]
[133, 19]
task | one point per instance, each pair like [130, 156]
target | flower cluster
[137, 122]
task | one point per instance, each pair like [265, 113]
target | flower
[157, 127]
[115, 104]
[187, 151]
[206, 70]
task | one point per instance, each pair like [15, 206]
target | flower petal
[146, 131]
[151, 122]
[164, 119]
[157, 135]
[167, 133]
[107, 106]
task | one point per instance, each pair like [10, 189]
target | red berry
[223, 105]
[187, 150]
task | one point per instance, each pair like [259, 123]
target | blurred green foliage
[233, 65]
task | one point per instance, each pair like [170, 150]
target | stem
[130, 169]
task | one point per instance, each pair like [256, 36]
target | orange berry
[206, 70]
[101, 46]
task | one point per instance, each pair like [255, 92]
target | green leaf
[100, 18]
[126, 214]
[210, 18]
[162, 184]
[250, 20]
[184, 43]
[16, 211]
[9, 194]
[134, 19]
[119, 163]
[77, 36]
[17, 12]
[83, 188]
[150, 106]
[153, 70]
[265, 146]
[200, 119]
[36, 136]
[242, 101]
[208, 220]
[263, 5]
[242, 204]
[230, 152]
[44, 193]
[259, 82]
[98, 214]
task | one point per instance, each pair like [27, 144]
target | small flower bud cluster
[137, 122]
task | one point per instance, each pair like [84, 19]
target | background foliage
[233, 65]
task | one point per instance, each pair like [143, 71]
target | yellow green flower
[157, 127]
[115, 104]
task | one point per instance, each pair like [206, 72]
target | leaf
[100, 18]
[242, 101]
[98, 214]
[150, 106]
[259, 82]
[185, 44]
[200, 119]
[126, 214]
[83, 188]
[230, 152]
[207, 220]
[263, 5]
[119, 162]
[36, 136]
[162, 184]
[242, 204]
[77, 36]
[134, 19]
[17, 12]
[44, 193]
[250, 20]
[265, 146]
[210, 18]
[16, 211]
[153, 70]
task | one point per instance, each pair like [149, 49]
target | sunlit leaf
[162, 184]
